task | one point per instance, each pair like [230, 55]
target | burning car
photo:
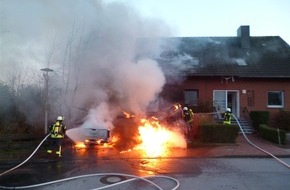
[96, 136]
[95, 132]
[89, 133]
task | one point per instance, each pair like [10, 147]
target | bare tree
[69, 74]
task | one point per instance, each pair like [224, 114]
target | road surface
[103, 167]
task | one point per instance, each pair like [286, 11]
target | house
[243, 72]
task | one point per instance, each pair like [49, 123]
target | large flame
[157, 139]
[149, 136]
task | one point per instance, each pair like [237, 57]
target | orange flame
[80, 145]
[128, 115]
[177, 106]
[154, 137]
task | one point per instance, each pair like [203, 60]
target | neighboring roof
[267, 57]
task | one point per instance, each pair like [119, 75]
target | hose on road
[259, 148]
[120, 174]
[26, 158]
[133, 177]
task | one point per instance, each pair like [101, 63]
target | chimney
[243, 34]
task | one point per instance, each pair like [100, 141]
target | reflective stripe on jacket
[57, 130]
[227, 118]
[188, 116]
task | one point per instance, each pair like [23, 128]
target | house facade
[242, 95]
[244, 73]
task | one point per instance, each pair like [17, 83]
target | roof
[266, 57]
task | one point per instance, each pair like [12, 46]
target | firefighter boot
[58, 152]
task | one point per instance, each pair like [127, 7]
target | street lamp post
[46, 78]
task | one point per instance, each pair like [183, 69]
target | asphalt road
[109, 167]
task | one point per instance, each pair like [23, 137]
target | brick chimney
[243, 34]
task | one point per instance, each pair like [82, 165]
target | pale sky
[196, 18]
[30, 28]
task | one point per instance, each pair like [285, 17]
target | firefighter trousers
[55, 145]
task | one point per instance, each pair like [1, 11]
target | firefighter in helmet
[57, 132]
[227, 116]
[187, 115]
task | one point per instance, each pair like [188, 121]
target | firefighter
[227, 116]
[57, 132]
[187, 115]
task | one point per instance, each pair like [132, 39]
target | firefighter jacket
[188, 115]
[227, 118]
[57, 130]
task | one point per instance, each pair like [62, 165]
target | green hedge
[218, 133]
[282, 120]
[259, 117]
[271, 134]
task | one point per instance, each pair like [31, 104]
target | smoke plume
[92, 48]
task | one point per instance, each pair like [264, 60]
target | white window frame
[222, 105]
[282, 99]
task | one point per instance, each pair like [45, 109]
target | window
[275, 99]
[191, 97]
[241, 62]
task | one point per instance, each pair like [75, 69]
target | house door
[223, 99]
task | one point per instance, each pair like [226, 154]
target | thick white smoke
[91, 46]
[108, 72]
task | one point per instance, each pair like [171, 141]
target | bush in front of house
[259, 117]
[218, 133]
[272, 134]
[282, 120]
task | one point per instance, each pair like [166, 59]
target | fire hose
[104, 187]
[133, 177]
[254, 145]
[126, 175]
[26, 158]
[270, 154]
